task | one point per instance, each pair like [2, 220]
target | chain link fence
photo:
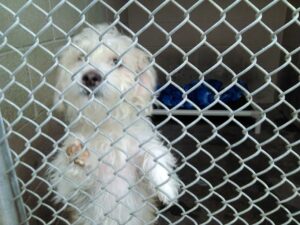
[226, 106]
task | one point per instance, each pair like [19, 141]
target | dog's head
[104, 66]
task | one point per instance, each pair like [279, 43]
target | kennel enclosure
[238, 162]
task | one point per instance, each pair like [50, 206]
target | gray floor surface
[228, 177]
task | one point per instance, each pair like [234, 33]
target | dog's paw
[168, 192]
[77, 154]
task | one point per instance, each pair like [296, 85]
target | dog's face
[107, 68]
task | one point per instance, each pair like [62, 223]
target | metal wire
[232, 172]
[9, 186]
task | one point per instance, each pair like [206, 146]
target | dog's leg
[158, 167]
[75, 153]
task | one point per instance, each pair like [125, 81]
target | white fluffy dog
[112, 163]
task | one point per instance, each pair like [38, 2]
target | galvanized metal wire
[254, 180]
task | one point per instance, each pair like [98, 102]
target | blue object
[170, 96]
[234, 93]
[202, 96]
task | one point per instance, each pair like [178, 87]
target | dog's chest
[118, 164]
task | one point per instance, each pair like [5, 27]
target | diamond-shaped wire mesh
[225, 105]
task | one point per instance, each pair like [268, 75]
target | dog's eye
[115, 61]
[80, 57]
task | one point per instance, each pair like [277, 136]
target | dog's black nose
[91, 79]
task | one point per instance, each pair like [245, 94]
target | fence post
[11, 211]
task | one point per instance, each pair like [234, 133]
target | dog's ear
[146, 82]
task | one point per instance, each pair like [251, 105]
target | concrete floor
[228, 179]
[240, 180]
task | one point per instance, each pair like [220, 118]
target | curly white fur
[128, 165]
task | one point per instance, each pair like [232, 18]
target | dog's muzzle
[91, 80]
